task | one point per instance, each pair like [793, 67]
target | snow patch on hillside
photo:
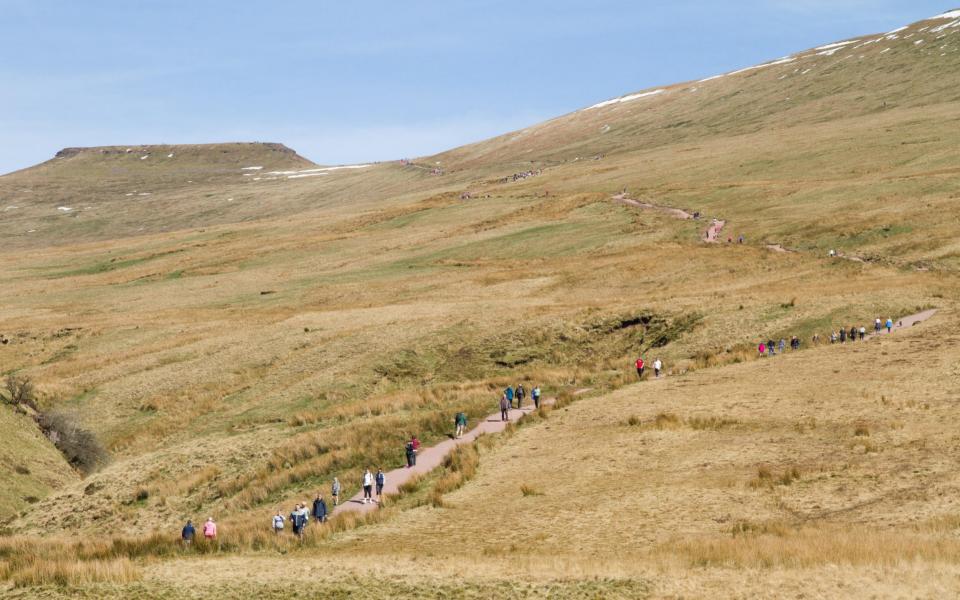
[312, 172]
[836, 45]
[780, 61]
[953, 14]
[625, 99]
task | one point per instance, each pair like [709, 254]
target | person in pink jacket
[210, 529]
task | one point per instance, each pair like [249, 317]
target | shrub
[528, 490]
[666, 420]
[78, 445]
[20, 391]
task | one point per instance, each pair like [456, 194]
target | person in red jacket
[640, 368]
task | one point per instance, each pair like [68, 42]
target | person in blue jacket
[188, 533]
[319, 509]
[509, 394]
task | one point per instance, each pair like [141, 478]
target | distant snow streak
[625, 99]
[953, 14]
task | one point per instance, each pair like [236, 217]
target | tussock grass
[529, 490]
[774, 545]
[767, 478]
[34, 571]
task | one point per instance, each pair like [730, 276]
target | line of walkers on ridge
[510, 394]
[841, 336]
[299, 517]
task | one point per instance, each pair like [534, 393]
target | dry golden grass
[237, 363]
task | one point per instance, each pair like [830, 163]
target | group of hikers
[189, 531]
[841, 336]
[510, 394]
[641, 367]
[523, 175]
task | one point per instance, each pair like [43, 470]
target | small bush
[634, 421]
[750, 528]
[78, 445]
[22, 470]
[767, 478]
[666, 420]
[528, 490]
[20, 391]
[710, 423]
[861, 430]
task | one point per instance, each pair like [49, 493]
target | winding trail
[430, 458]
[907, 321]
[711, 235]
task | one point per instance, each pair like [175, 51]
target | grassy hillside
[239, 336]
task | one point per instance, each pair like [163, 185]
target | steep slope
[30, 466]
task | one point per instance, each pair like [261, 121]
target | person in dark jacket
[520, 394]
[843, 335]
[853, 333]
[188, 533]
[381, 480]
[411, 454]
[299, 518]
[319, 509]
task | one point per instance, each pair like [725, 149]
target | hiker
[411, 454]
[460, 421]
[520, 394]
[319, 509]
[815, 341]
[416, 447]
[188, 533]
[877, 325]
[335, 491]
[381, 480]
[782, 346]
[278, 520]
[210, 529]
[509, 394]
[536, 397]
[770, 349]
[843, 335]
[863, 333]
[741, 239]
[889, 325]
[640, 366]
[657, 366]
[298, 519]
[504, 408]
[794, 343]
[762, 348]
[367, 486]
[853, 333]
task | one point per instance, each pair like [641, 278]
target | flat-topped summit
[184, 155]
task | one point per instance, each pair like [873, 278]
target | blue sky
[361, 81]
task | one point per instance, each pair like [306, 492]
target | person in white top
[657, 365]
[278, 520]
[367, 486]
